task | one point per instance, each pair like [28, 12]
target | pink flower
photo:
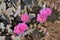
[46, 12]
[49, 11]
[43, 12]
[25, 17]
[17, 30]
[20, 28]
[41, 18]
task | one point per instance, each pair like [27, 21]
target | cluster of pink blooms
[41, 17]
[20, 28]
[43, 14]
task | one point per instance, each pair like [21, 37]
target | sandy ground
[54, 30]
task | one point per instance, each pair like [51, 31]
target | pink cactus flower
[49, 11]
[46, 12]
[25, 17]
[41, 18]
[43, 12]
[20, 28]
[17, 30]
